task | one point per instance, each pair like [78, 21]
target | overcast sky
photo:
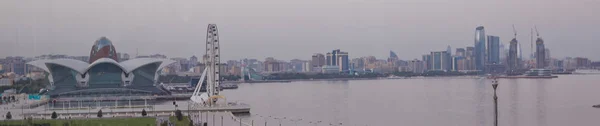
[288, 29]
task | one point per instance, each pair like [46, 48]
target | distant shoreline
[347, 79]
[377, 78]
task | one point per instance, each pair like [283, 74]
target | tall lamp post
[495, 85]
[280, 120]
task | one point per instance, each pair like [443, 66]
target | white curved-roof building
[69, 76]
[103, 75]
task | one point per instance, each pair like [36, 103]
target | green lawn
[146, 121]
[184, 122]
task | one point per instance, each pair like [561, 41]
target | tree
[144, 112]
[54, 115]
[178, 115]
[8, 115]
[100, 113]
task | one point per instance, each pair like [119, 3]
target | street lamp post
[296, 121]
[188, 109]
[264, 117]
[316, 122]
[279, 120]
[495, 85]
[69, 108]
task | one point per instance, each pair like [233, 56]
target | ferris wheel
[211, 73]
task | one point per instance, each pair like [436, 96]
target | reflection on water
[514, 102]
[541, 102]
[425, 102]
[481, 96]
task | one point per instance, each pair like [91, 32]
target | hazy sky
[288, 29]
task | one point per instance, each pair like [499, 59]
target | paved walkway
[218, 119]
[161, 119]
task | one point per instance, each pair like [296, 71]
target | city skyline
[359, 27]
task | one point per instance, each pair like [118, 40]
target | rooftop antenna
[531, 41]
[514, 30]
[16, 43]
[536, 31]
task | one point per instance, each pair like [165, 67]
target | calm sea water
[562, 101]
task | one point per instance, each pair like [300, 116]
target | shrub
[99, 113]
[54, 115]
[144, 112]
[8, 115]
[178, 115]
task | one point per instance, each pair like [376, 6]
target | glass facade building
[338, 58]
[441, 61]
[480, 48]
[343, 61]
[103, 48]
[427, 60]
[512, 55]
[493, 49]
[540, 53]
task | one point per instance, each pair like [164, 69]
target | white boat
[586, 71]
[396, 77]
[539, 72]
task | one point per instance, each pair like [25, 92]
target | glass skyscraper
[480, 48]
[513, 59]
[338, 58]
[427, 60]
[540, 53]
[493, 49]
[343, 61]
[441, 61]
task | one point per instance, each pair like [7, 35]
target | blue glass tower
[480, 48]
[493, 52]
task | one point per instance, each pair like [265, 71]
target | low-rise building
[404, 69]
[6, 82]
[330, 69]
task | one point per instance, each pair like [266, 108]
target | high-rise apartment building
[194, 61]
[342, 61]
[470, 58]
[460, 52]
[416, 66]
[318, 60]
